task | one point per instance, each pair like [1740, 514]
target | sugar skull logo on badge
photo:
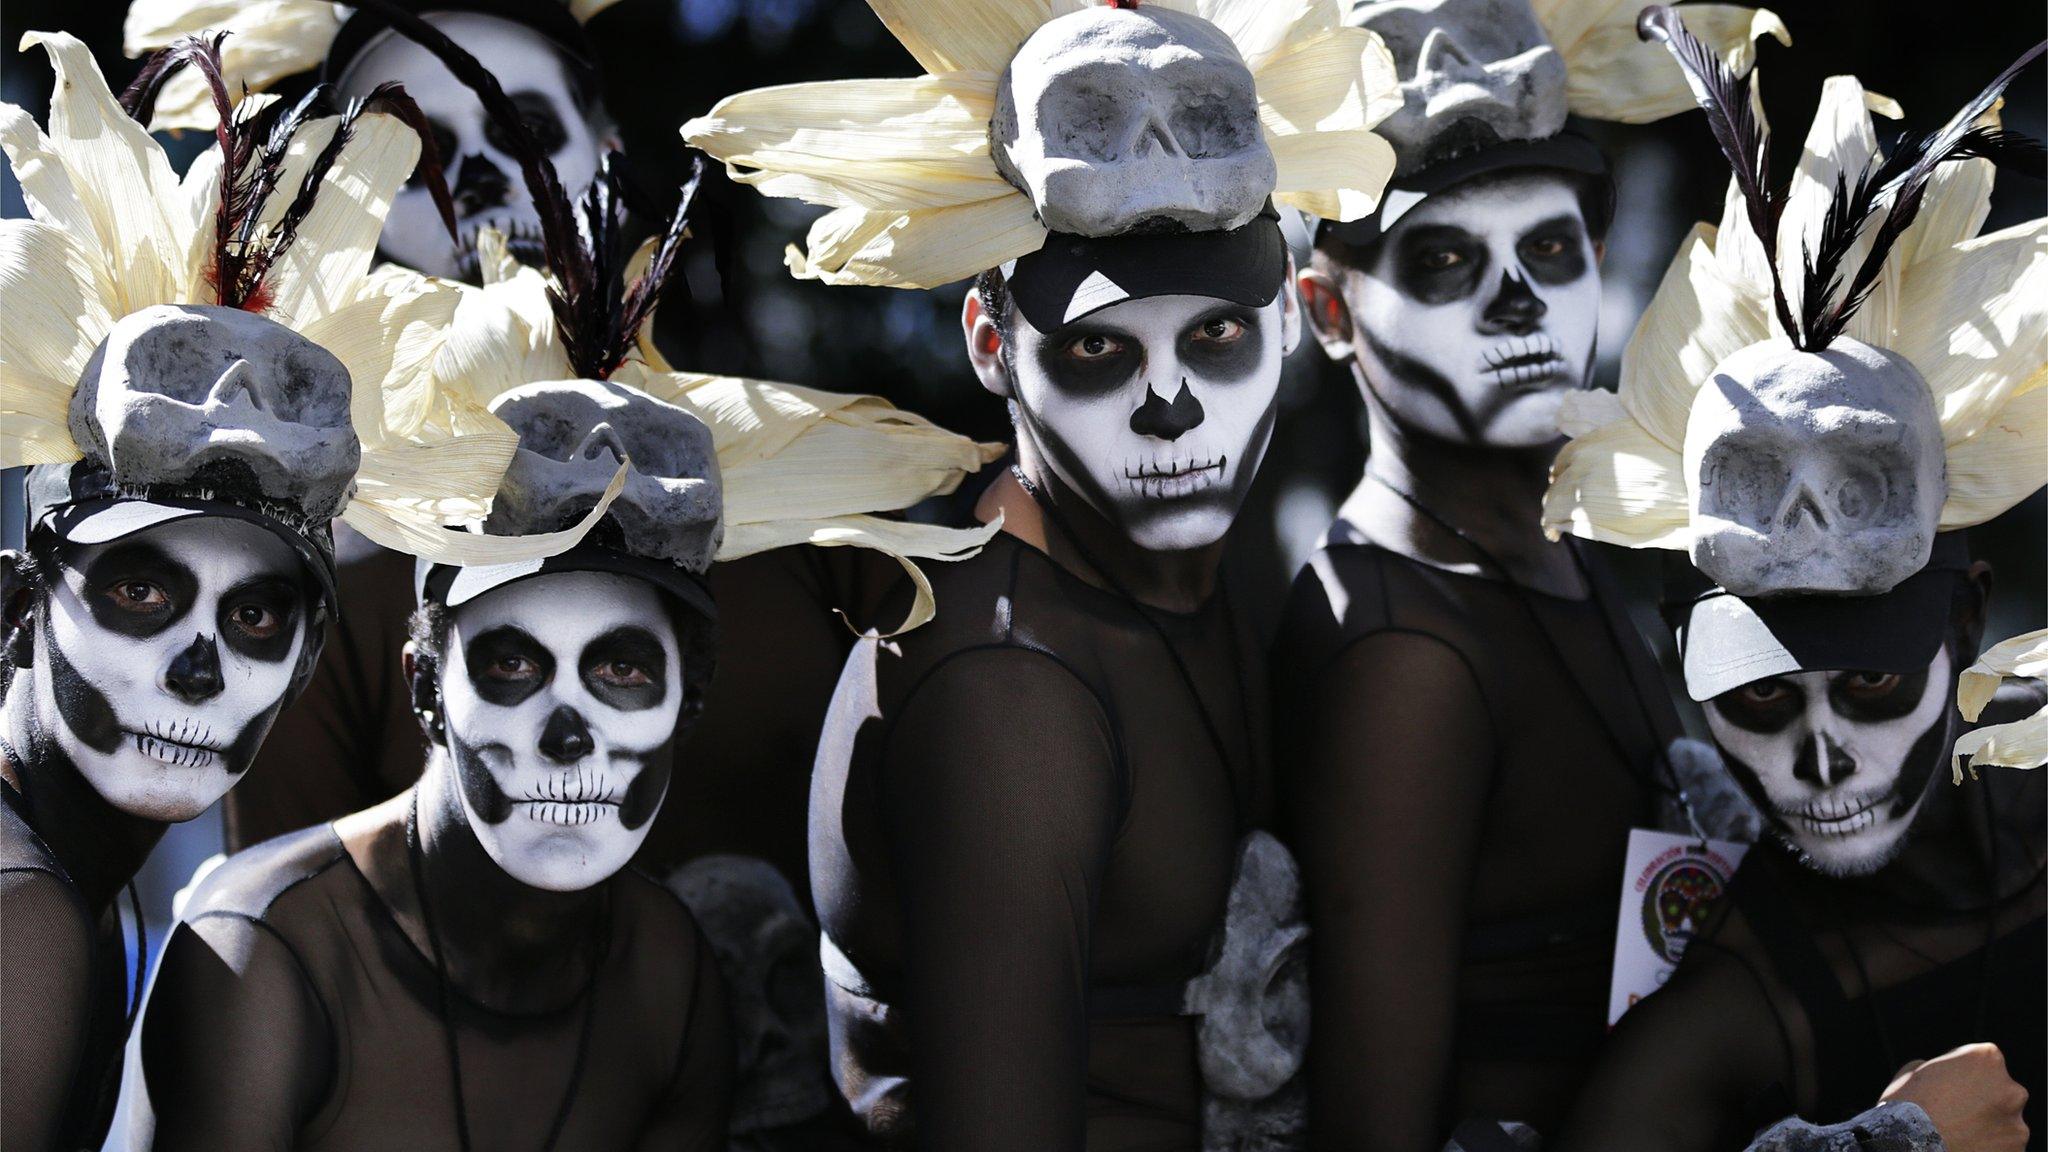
[1670, 886]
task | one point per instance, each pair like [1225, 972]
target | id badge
[1670, 884]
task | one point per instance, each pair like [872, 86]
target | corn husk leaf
[1611, 74]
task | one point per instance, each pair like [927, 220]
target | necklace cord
[1180, 666]
[588, 994]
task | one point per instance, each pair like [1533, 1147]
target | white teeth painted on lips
[176, 754]
[1838, 815]
[571, 799]
[1521, 362]
[568, 815]
[1166, 479]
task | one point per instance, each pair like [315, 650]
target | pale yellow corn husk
[1971, 313]
[905, 164]
[2020, 744]
[113, 231]
[1611, 74]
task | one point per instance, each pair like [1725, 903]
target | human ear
[1290, 313]
[984, 345]
[422, 682]
[1329, 317]
[17, 610]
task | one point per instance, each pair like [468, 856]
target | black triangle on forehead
[598, 314]
[253, 149]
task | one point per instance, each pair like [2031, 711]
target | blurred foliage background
[668, 60]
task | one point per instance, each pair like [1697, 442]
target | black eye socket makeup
[136, 589]
[507, 664]
[1438, 263]
[1765, 706]
[1090, 358]
[541, 119]
[1223, 346]
[260, 617]
[1873, 696]
[626, 668]
[1554, 251]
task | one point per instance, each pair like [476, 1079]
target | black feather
[1900, 184]
[598, 315]
[1725, 97]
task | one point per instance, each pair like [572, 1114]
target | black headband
[1564, 152]
[1073, 276]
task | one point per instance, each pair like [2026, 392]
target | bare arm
[1000, 803]
[1385, 800]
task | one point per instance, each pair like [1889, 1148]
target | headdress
[1824, 388]
[1833, 375]
[215, 344]
[2020, 743]
[682, 468]
[271, 40]
[1069, 119]
[1486, 85]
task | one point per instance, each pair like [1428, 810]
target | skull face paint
[1839, 762]
[165, 656]
[482, 170]
[1479, 310]
[1155, 411]
[560, 694]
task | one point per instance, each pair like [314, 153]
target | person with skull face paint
[190, 438]
[1025, 819]
[1443, 671]
[479, 929]
[1886, 939]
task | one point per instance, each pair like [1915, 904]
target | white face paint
[482, 172]
[561, 694]
[1155, 411]
[1479, 311]
[1839, 762]
[164, 657]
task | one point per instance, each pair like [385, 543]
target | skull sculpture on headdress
[190, 396]
[1111, 119]
[574, 434]
[1814, 471]
[1473, 73]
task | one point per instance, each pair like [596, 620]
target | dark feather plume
[1725, 97]
[254, 148]
[1900, 185]
[598, 314]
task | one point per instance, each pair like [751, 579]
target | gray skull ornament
[1473, 73]
[767, 950]
[1253, 1004]
[1115, 119]
[191, 395]
[1814, 472]
[573, 434]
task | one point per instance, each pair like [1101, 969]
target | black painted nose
[1515, 310]
[194, 674]
[1156, 417]
[565, 738]
[479, 184]
[1824, 765]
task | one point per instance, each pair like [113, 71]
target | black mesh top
[290, 1010]
[1021, 843]
[63, 996]
[1460, 801]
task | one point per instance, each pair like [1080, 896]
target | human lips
[180, 744]
[1836, 816]
[1524, 365]
[1174, 476]
[571, 799]
[523, 241]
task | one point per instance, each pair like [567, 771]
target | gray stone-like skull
[211, 397]
[1114, 119]
[1473, 73]
[572, 436]
[1253, 1002]
[1814, 472]
[767, 951]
